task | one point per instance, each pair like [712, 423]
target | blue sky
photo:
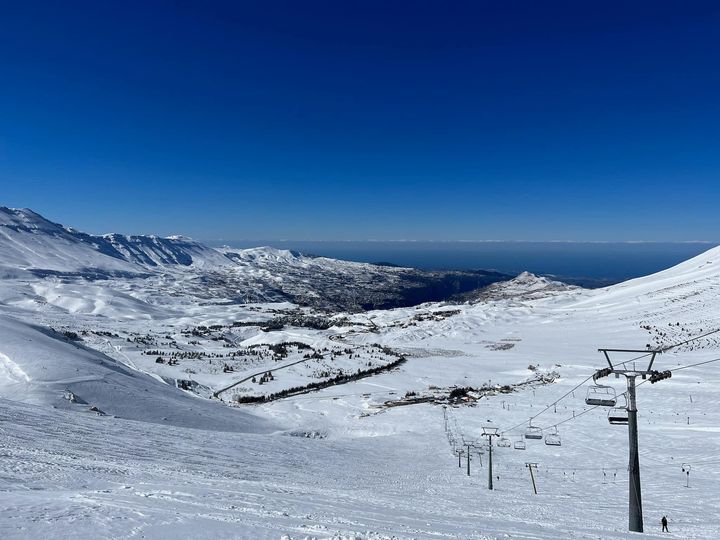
[365, 120]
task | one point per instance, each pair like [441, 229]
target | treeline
[319, 385]
[300, 320]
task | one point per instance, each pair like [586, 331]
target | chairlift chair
[618, 416]
[533, 432]
[553, 439]
[504, 442]
[520, 445]
[602, 396]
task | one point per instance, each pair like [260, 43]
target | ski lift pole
[490, 483]
[490, 432]
[532, 476]
[686, 469]
[635, 517]
[468, 460]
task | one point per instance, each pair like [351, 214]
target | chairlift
[618, 416]
[533, 432]
[520, 445]
[602, 396]
[504, 442]
[553, 439]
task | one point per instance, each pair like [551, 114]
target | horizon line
[408, 241]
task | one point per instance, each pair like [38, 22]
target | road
[259, 373]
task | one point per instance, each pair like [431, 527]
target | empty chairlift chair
[618, 416]
[603, 396]
[519, 445]
[503, 442]
[553, 439]
[533, 432]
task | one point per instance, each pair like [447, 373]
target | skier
[664, 524]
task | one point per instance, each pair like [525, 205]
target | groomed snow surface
[95, 445]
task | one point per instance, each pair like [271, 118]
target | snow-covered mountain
[154, 251]
[335, 284]
[124, 398]
[525, 286]
[28, 241]
[33, 245]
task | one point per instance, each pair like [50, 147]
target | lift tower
[635, 515]
[490, 432]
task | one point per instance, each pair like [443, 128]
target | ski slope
[131, 455]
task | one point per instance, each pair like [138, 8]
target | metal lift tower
[635, 515]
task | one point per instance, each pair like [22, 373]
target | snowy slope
[155, 251]
[694, 277]
[29, 241]
[359, 460]
[40, 366]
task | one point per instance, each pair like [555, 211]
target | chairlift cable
[665, 349]
[690, 340]
[549, 406]
[639, 384]
[696, 364]
[573, 417]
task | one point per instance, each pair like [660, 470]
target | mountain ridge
[32, 245]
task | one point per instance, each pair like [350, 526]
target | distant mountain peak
[524, 286]
[29, 241]
[26, 219]
[260, 253]
[529, 279]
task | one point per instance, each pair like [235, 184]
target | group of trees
[72, 336]
[266, 377]
[341, 378]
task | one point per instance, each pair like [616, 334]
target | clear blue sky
[474, 120]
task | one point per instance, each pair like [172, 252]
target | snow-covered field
[98, 441]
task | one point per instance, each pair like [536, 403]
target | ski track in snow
[88, 477]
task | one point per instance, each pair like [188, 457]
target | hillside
[154, 439]
[31, 245]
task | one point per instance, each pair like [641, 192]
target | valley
[140, 396]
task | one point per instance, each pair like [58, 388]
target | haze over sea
[587, 263]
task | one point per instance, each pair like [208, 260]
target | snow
[525, 286]
[40, 366]
[97, 441]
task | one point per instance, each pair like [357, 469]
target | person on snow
[664, 524]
